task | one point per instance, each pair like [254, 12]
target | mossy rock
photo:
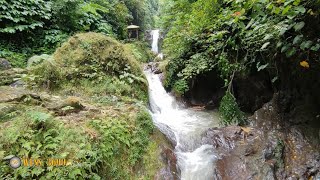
[89, 53]
[91, 56]
[10, 76]
[38, 59]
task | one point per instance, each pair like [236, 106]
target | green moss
[89, 56]
[141, 51]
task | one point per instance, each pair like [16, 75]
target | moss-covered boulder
[92, 56]
[38, 59]
[89, 53]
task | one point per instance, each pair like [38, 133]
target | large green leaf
[299, 26]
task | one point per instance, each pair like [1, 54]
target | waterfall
[155, 40]
[183, 126]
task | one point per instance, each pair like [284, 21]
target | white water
[155, 39]
[183, 126]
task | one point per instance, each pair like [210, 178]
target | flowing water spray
[183, 126]
[155, 39]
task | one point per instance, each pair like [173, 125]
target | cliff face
[269, 149]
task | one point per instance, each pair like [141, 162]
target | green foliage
[230, 111]
[37, 135]
[45, 75]
[122, 144]
[119, 146]
[23, 15]
[16, 59]
[236, 35]
[180, 87]
[40, 26]
[237, 38]
[141, 51]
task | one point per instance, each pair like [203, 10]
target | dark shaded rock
[154, 67]
[207, 89]
[4, 64]
[170, 172]
[253, 91]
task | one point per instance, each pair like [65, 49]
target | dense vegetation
[87, 96]
[37, 27]
[239, 38]
[100, 77]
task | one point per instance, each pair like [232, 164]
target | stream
[183, 126]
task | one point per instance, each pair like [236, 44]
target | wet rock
[4, 64]
[170, 172]
[270, 149]
[164, 174]
[154, 67]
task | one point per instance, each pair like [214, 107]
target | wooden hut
[133, 31]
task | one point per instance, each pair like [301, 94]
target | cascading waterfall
[183, 126]
[155, 39]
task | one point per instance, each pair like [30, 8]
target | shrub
[230, 111]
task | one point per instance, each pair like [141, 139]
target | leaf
[2, 154]
[268, 36]
[297, 39]
[274, 79]
[8, 157]
[284, 48]
[304, 64]
[299, 26]
[279, 44]
[262, 67]
[315, 47]
[300, 9]
[264, 45]
[74, 173]
[286, 9]
[276, 10]
[27, 145]
[306, 44]
[283, 30]
[291, 52]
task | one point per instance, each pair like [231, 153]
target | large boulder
[37, 59]
[91, 56]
